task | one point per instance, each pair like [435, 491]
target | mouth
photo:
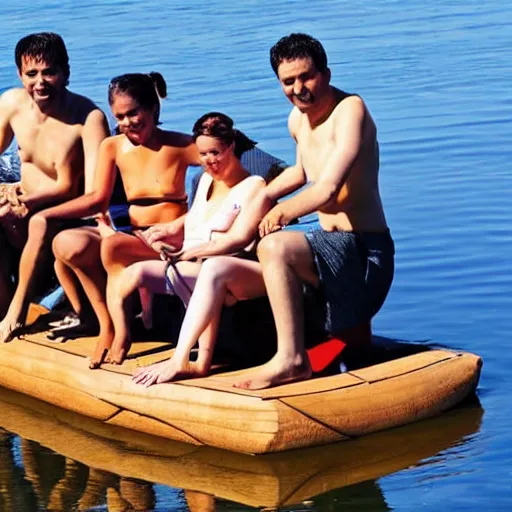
[42, 94]
[304, 97]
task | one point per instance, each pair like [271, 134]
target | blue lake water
[434, 76]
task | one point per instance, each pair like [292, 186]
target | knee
[131, 278]
[217, 269]
[272, 247]
[110, 248]
[69, 248]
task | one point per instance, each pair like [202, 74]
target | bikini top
[201, 222]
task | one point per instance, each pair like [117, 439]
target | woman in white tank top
[221, 221]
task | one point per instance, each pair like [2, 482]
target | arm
[97, 200]
[348, 132]
[292, 177]
[244, 229]
[94, 132]
[192, 154]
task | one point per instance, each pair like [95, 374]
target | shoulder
[110, 144]
[251, 184]
[351, 105]
[294, 122]
[12, 98]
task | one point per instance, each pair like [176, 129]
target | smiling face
[214, 155]
[43, 82]
[302, 83]
[134, 121]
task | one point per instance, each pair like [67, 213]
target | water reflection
[61, 461]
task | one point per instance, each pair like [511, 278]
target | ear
[19, 73]
[328, 74]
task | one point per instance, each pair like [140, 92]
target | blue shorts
[355, 270]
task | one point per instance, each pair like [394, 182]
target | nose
[298, 87]
[124, 122]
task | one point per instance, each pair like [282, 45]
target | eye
[50, 72]
[288, 81]
[31, 73]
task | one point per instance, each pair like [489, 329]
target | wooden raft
[209, 411]
[271, 480]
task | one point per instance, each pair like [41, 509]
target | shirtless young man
[347, 264]
[58, 134]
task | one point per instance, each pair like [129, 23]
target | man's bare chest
[46, 144]
[315, 149]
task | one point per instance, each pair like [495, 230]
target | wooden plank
[225, 381]
[84, 347]
[403, 365]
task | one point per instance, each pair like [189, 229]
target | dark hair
[298, 46]
[46, 46]
[146, 89]
[220, 126]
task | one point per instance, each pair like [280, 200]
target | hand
[163, 233]
[273, 221]
[104, 225]
[10, 212]
[25, 199]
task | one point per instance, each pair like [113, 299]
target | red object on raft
[328, 352]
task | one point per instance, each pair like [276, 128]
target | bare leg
[148, 275]
[222, 280]
[79, 249]
[75, 294]
[146, 303]
[287, 263]
[31, 261]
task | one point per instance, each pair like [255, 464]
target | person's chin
[42, 99]
[303, 107]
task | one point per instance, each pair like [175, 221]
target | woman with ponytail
[152, 164]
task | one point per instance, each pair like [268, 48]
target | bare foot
[8, 328]
[100, 351]
[118, 352]
[277, 371]
[146, 301]
[168, 370]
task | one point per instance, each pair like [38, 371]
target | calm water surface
[437, 81]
